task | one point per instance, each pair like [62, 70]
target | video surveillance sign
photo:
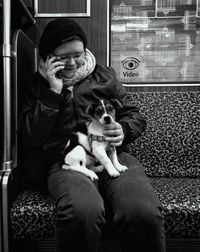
[130, 68]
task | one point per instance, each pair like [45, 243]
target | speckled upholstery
[181, 201]
[170, 145]
[169, 151]
[33, 214]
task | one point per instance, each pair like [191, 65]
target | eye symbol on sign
[130, 63]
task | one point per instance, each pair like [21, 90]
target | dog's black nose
[107, 119]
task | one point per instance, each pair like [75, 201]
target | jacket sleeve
[133, 123]
[38, 112]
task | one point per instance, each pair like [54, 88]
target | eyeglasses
[75, 56]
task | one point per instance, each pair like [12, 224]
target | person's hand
[52, 66]
[114, 133]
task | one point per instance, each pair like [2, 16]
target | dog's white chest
[95, 129]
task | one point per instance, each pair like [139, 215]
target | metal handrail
[7, 157]
[7, 54]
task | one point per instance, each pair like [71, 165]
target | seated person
[68, 79]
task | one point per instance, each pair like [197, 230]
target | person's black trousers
[129, 201]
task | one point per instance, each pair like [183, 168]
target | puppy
[87, 146]
[103, 113]
[78, 156]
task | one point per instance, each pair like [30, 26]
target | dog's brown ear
[116, 103]
[89, 109]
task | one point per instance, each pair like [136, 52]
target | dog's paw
[66, 167]
[113, 173]
[92, 175]
[121, 168]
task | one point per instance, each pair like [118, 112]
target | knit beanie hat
[56, 32]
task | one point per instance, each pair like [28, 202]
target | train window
[62, 8]
[155, 41]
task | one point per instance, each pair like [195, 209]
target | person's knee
[148, 219]
[82, 212]
[143, 218]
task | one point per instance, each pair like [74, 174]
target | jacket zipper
[74, 105]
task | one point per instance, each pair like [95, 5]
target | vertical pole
[7, 53]
[108, 33]
[5, 211]
[7, 149]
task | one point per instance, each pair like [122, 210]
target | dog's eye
[110, 108]
[98, 111]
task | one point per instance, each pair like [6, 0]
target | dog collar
[93, 137]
